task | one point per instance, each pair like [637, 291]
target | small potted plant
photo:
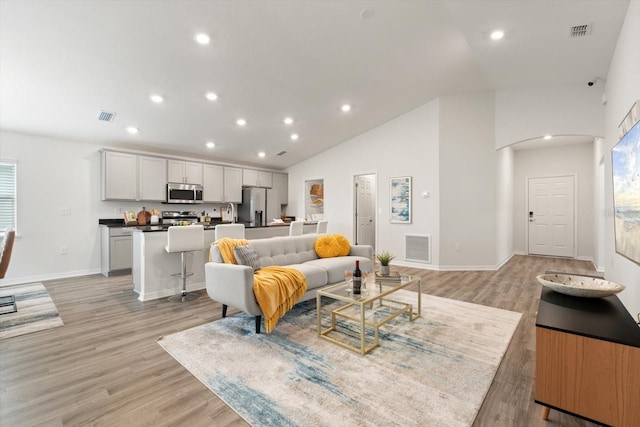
[384, 258]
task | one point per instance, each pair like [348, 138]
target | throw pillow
[344, 247]
[326, 246]
[246, 255]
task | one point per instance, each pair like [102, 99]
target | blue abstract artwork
[400, 200]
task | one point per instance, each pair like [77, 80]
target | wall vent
[581, 30]
[106, 116]
[282, 153]
[417, 247]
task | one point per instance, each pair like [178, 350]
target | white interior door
[551, 216]
[365, 210]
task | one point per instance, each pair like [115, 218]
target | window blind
[7, 194]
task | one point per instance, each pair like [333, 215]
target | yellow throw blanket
[276, 288]
[226, 246]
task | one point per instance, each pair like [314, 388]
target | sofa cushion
[344, 247]
[326, 246]
[246, 255]
[317, 277]
[286, 250]
[335, 267]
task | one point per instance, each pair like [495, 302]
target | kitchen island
[152, 266]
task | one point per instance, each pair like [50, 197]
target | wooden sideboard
[588, 359]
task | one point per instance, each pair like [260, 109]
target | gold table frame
[375, 293]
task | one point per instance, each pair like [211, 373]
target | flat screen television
[625, 160]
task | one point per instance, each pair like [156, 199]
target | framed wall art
[400, 200]
[626, 193]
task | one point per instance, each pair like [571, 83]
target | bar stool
[233, 231]
[296, 228]
[184, 239]
[321, 228]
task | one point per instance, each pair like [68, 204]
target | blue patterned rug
[36, 311]
[434, 371]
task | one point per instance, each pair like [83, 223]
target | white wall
[404, 146]
[532, 112]
[468, 165]
[623, 89]
[566, 160]
[54, 174]
[504, 205]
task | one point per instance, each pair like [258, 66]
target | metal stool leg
[184, 296]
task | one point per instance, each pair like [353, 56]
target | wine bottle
[357, 279]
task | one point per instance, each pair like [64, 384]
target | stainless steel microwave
[184, 193]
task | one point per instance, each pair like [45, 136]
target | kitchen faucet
[232, 209]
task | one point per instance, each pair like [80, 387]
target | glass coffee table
[352, 314]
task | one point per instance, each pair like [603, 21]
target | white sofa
[232, 284]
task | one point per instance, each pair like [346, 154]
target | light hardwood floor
[104, 367]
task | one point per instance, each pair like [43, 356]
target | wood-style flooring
[104, 367]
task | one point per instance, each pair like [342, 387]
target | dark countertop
[600, 318]
[163, 227]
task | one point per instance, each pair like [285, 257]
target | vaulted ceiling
[62, 62]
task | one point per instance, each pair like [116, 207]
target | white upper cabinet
[252, 178]
[213, 183]
[281, 183]
[130, 177]
[185, 172]
[119, 176]
[152, 178]
[233, 185]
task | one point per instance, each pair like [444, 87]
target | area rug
[36, 311]
[434, 371]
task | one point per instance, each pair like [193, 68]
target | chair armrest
[232, 285]
[365, 251]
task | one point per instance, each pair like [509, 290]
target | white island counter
[152, 266]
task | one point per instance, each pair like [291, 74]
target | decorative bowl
[579, 286]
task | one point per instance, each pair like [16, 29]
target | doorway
[551, 216]
[365, 209]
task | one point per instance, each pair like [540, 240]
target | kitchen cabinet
[233, 185]
[213, 183]
[281, 185]
[253, 178]
[587, 358]
[116, 250]
[222, 184]
[119, 175]
[185, 172]
[131, 177]
[152, 178]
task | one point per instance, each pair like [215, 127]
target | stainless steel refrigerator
[253, 209]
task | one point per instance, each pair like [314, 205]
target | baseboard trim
[45, 277]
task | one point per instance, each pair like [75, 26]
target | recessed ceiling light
[497, 35]
[294, 136]
[202, 38]
[262, 154]
[346, 108]
[288, 121]
[156, 98]
[211, 144]
[211, 96]
[132, 129]
[366, 13]
[547, 137]
[241, 122]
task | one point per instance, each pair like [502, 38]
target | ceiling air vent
[282, 153]
[581, 30]
[106, 116]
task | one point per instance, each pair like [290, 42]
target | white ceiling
[61, 62]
